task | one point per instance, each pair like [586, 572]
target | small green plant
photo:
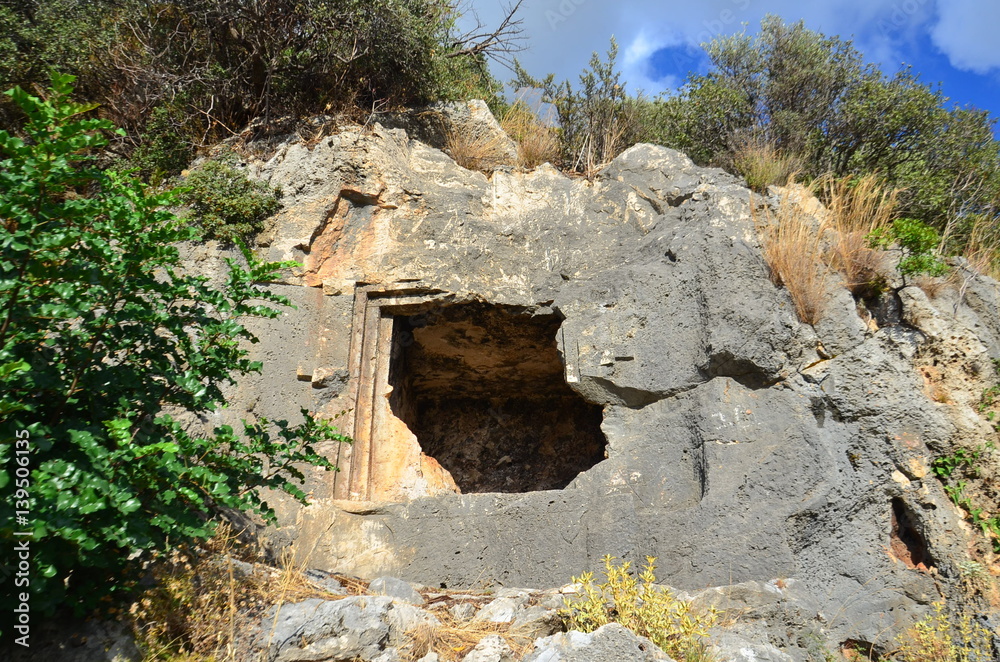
[945, 466]
[989, 525]
[917, 243]
[944, 637]
[643, 607]
[225, 203]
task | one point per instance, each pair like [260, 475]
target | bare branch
[499, 44]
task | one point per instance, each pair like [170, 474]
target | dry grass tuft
[982, 249]
[475, 152]
[792, 250]
[762, 164]
[536, 143]
[452, 639]
[857, 207]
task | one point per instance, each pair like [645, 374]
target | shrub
[791, 243]
[917, 244]
[643, 607]
[106, 345]
[943, 638]
[224, 203]
[164, 149]
[596, 122]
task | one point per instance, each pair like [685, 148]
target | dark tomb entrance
[481, 386]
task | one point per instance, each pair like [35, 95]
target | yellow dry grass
[474, 152]
[453, 639]
[791, 243]
[982, 249]
[762, 164]
[536, 143]
[857, 207]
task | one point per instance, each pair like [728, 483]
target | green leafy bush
[224, 203]
[231, 62]
[104, 343]
[917, 243]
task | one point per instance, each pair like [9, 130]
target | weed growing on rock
[945, 466]
[941, 637]
[536, 143]
[793, 254]
[642, 606]
[858, 207]
[763, 164]
[917, 244]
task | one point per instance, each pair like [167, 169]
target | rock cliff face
[539, 370]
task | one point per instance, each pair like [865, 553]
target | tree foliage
[211, 66]
[106, 348]
[804, 99]
[597, 120]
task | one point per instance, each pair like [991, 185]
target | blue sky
[952, 42]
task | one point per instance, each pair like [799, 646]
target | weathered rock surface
[90, 641]
[395, 588]
[610, 643]
[736, 452]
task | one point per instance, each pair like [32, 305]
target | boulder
[353, 627]
[395, 588]
[609, 643]
[491, 648]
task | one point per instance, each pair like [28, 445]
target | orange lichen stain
[350, 239]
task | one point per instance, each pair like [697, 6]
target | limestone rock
[734, 648]
[610, 643]
[395, 588]
[491, 648]
[537, 622]
[462, 611]
[500, 610]
[668, 402]
[315, 629]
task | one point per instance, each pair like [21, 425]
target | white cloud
[966, 33]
